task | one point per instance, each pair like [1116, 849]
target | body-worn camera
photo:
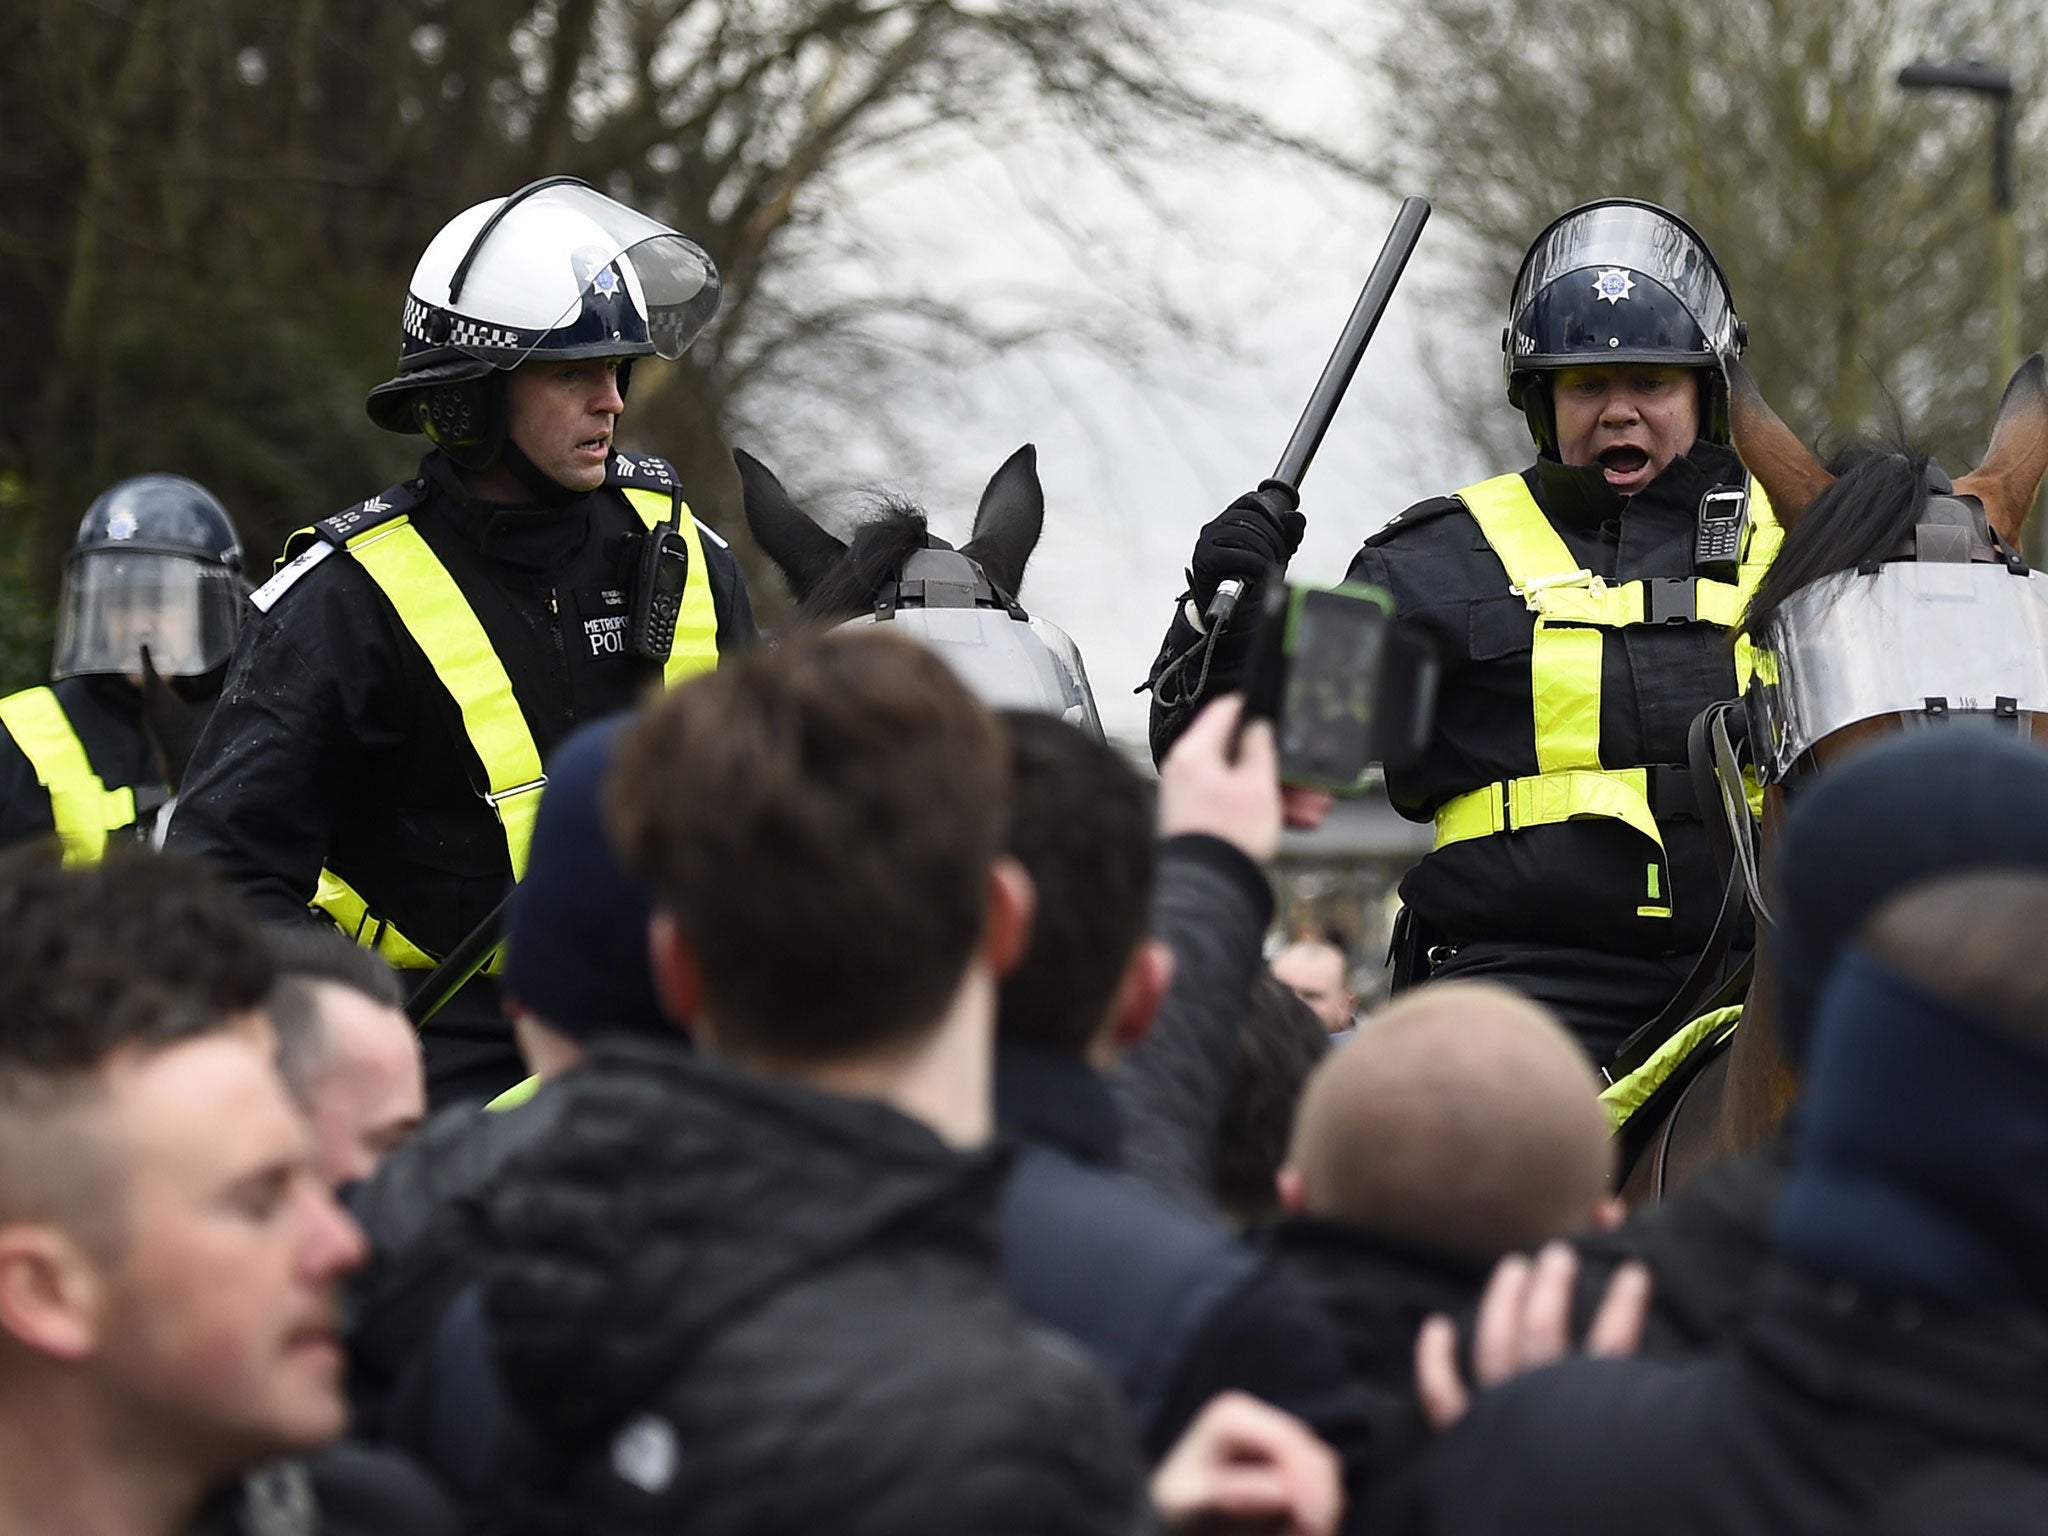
[1344, 683]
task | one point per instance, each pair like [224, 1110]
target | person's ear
[1012, 904]
[1291, 1189]
[678, 979]
[1140, 994]
[50, 1292]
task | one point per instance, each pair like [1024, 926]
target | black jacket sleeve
[736, 627]
[304, 700]
[1211, 906]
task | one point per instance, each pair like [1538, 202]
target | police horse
[1898, 599]
[960, 602]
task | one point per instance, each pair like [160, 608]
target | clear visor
[1636, 239]
[1030, 666]
[186, 610]
[1909, 639]
[632, 273]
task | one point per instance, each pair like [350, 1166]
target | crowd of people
[880, 1184]
[842, 1103]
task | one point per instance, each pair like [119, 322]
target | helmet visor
[1604, 245]
[1933, 640]
[116, 601]
[564, 272]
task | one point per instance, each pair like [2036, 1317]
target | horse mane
[1873, 505]
[889, 533]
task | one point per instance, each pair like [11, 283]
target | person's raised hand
[1243, 1465]
[1202, 790]
[1525, 1322]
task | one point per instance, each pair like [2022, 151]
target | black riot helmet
[555, 272]
[156, 563]
[1619, 281]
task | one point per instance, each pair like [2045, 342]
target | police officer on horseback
[146, 621]
[1583, 608]
[376, 757]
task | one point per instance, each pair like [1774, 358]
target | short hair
[1081, 824]
[309, 957]
[819, 820]
[140, 952]
[1463, 1119]
[1975, 940]
[1279, 1045]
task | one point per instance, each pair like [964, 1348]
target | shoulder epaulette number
[307, 547]
[640, 471]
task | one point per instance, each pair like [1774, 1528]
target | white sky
[1134, 463]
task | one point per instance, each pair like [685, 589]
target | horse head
[1899, 595]
[963, 603]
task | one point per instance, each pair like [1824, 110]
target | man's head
[1279, 1046]
[517, 318]
[1901, 812]
[348, 1053]
[821, 826]
[576, 928]
[1321, 977]
[1921, 1152]
[168, 1256]
[1619, 329]
[1463, 1119]
[1081, 824]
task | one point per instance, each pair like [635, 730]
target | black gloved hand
[172, 723]
[1251, 538]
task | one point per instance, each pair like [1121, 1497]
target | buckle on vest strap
[1669, 599]
[1669, 789]
[499, 797]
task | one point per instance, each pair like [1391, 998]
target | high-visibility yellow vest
[82, 806]
[1573, 610]
[438, 617]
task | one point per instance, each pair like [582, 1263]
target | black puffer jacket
[1832, 1403]
[730, 1305]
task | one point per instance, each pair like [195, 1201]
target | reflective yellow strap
[1564, 685]
[81, 805]
[696, 644]
[1532, 551]
[516, 1095]
[1618, 794]
[352, 915]
[441, 623]
[1627, 1096]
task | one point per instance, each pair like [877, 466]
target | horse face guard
[1952, 625]
[1007, 658]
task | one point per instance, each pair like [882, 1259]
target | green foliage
[25, 621]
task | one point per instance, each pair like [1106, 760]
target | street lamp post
[1982, 80]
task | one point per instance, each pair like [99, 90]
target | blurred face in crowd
[562, 414]
[371, 1093]
[1315, 973]
[215, 1323]
[1632, 419]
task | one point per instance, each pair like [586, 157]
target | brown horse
[1887, 507]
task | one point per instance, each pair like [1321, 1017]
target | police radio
[1717, 537]
[658, 581]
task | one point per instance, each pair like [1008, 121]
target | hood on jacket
[681, 1196]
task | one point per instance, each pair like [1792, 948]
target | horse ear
[1009, 520]
[801, 550]
[2010, 475]
[1784, 466]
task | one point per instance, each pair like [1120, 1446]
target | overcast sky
[1134, 460]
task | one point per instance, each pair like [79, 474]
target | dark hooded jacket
[730, 1304]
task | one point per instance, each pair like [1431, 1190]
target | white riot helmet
[557, 271]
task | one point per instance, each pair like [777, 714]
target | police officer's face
[561, 415]
[1631, 419]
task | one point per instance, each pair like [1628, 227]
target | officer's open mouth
[1625, 460]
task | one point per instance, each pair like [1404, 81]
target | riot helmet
[1619, 281]
[555, 272]
[1008, 659]
[156, 563]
